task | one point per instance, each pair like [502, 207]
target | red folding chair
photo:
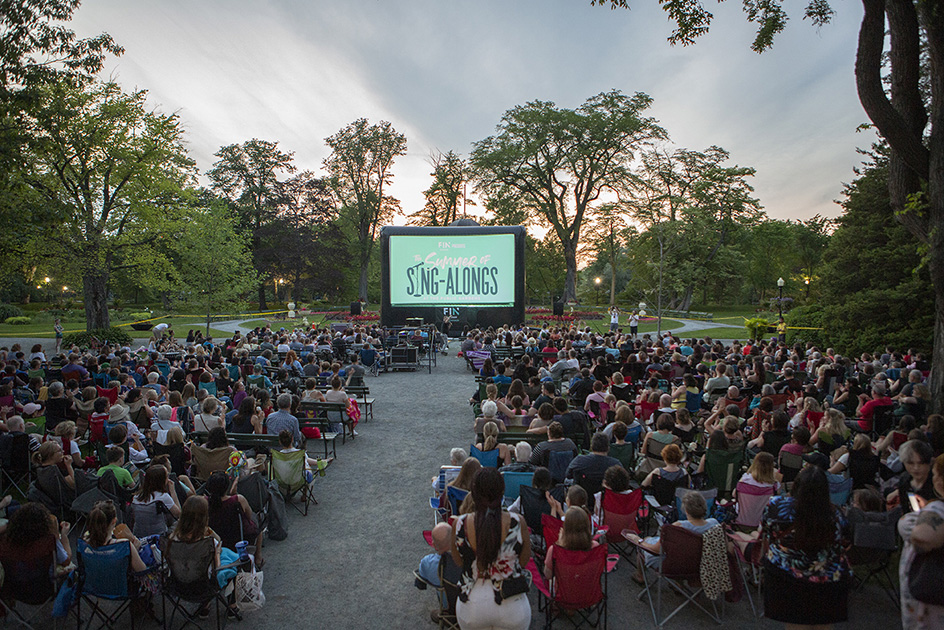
[577, 587]
[550, 528]
[751, 501]
[111, 394]
[680, 571]
[618, 512]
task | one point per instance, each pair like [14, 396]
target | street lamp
[597, 282]
[780, 299]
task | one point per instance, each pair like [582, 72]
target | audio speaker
[355, 308]
[558, 308]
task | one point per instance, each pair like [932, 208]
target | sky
[444, 71]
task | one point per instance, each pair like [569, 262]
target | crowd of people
[134, 445]
[826, 442]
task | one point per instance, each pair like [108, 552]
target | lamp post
[780, 299]
[597, 282]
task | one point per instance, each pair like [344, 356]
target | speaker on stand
[558, 308]
[355, 308]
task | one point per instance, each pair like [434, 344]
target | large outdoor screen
[449, 270]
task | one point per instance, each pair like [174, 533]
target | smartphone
[915, 506]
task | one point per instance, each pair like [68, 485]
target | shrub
[136, 317]
[757, 327]
[808, 317]
[16, 321]
[84, 339]
[8, 310]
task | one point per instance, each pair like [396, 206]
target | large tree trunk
[95, 288]
[262, 298]
[362, 285]
[570, 283]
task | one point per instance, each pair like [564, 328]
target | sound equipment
[558, 308]
[355, 308]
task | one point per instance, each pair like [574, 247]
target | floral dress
[828, 565]
[916, 615]
[505, 566]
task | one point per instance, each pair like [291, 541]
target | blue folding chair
[486, 458]
[693, 402]
[514, 481]
[710, 495]
[557, 463]
[210, 388]
[840, 490]
[456, 496]
[103, 574]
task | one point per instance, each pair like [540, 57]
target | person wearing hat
[118, 414]
[32, 410]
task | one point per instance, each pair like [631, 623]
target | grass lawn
[45, 329]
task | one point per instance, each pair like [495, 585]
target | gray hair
[15, 423]
[694, 504]
[458, 456]
[489, 408]
[56, 388]
[768, 390]
[284, 401]
[917, 449]
[522, 452]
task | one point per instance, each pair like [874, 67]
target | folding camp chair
[446, 474]
[456, 496]
[534, 505]
[723, 469]
[19, 472]
[680, 570]
[790, 465]
[710, 495]
[618, 513]
[874, 542]
[840, 489]
[578, 587]
[751, 501]
[749, 553]
[28, 580]
[208, 461]
[103, 574]
[486, 458]
[592, 483]
[557, 463]
[447, 591]
[513, 483]
[288, 471]
[626, 454]
[550, 529]
[189, 578]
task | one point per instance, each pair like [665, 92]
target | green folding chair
[288, 471]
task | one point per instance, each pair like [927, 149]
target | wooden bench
[323, 414]
[361, 394]
[243, 440]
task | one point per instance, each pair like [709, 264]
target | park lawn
[45, 329]
[719, 333]
[603, 325]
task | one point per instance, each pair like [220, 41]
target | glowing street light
[780, 300]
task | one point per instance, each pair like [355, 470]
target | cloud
[444, 72]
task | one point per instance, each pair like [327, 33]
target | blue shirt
[279, 421]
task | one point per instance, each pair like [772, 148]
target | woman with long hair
[100, 531]
[806, 573]
[490, 442]
[492, 546]
[576, 534]
[248, 418]
[156, 497]
[832, 432]
[230, 515]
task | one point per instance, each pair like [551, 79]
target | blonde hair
[490, 434]
[762, 468]
[576, 532]
[835, 421]
[64, 428]
[174, 436]
[811, 404]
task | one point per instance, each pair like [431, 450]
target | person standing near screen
[58, 328]
[634, 324]
[614, 318]
[446, 325]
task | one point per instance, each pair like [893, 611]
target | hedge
[84, 339]
[8, 310]
[16, 321]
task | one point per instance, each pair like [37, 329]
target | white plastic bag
[249, 595]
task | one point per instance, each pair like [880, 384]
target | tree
[359, 165]
[302, 242]
[36, 49]
[561, 160]
[609, 234]
[910, 121]
[811, 237]
[215, 263]
[112, 172]
[247, 175]
[445, 194]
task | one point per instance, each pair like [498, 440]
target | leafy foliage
[15, 321]
[445, 194]
[9, 310]
[84, 339]
[813, 318]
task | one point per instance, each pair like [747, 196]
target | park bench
[323, 414]
[361, 394]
